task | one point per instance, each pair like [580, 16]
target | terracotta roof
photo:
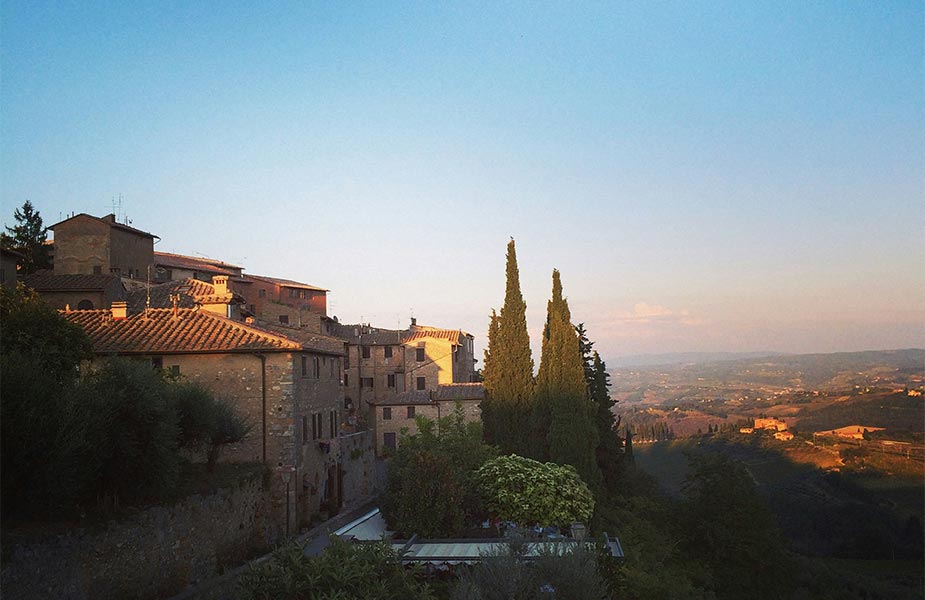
[47, 281]
[160, 332]
[286, 283]
[366, 335]
[110, 220]
[314, 341]
[404, 398]
[460, 391]
[195, 263]
[192, 293]
[422, 333]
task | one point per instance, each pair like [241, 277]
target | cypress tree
[562, 408]
[609, 443]
[490, 381]
[509, 385]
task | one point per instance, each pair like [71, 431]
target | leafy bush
[435, 468]
[527, 491]
[568, 571]
[345, 571]
[205, 422]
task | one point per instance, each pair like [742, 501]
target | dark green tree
[509, 369]
[608, 452]
[28, 237]
[564, 428]
[489, 417]
[436, 468]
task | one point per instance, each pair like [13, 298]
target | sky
[727, 176]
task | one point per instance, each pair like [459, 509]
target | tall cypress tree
[562, 403]
[490, 381]
[608, 453]
[509, 385]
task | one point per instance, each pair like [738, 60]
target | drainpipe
[263, 403]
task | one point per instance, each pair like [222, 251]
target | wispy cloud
[644, 313]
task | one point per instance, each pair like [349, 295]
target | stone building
[176, 267]
[9, 261]
[283, 301]
[88, 245]
[381, 363]
[83, 292]
[395, 415]
[288, 389]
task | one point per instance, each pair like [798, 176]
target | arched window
[84, 305]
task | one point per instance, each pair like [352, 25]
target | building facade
[88, 245]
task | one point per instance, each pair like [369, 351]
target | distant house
[215, 297]
[395, 414]
[283, 301]
[88, 245]
[83, 292]
[784, 436]
[288, 389]
[775, 424]
[746, 430]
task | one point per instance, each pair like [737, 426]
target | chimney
[119, 311]
[221, 284]
[414, 322]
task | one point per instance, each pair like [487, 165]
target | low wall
[153, 554]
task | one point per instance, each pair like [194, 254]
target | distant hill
[676, 358]
[835, 371]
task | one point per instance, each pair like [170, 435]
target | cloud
[644, 313]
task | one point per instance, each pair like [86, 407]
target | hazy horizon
[717, 177]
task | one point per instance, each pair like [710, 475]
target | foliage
[609, 451]
[727, 524]
[69, 443]
[36, 333]
[206, 422]
[435, 469]
[344, 571]
[139, 450]
[526, 491]
[564, 428]
[28, 237]
[509, 369]
[569, 571]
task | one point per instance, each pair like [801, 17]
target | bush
[345, 570]
[205, 422]
[435, 468]
[526, 491]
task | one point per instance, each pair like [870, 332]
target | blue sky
[706, 176]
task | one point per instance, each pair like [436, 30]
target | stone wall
[153, 554]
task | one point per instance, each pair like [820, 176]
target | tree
[205, 422]
[607, 453]
[564, 428]
[430, 489]
[28, 237]
[345, 570]
[526, 491]
[509, 369]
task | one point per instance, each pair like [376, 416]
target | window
[410, 412]
[419, 354]
[422, 383]
[85, 305]
[366, 382]
[157, 362]
[304, 428]
[348, 402]
[292, 293]
[388, 440]
[387, 413]
[254, 308]
[97, 270]
[284, 319]
[317, 426]
[316, 363]
[388, 351]
[262, 293]
[391, 380]
[332, 421]
[365, 351]
[175, 370]
[302, 294]
[347, 359]
[304, 366]
[346, 379]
